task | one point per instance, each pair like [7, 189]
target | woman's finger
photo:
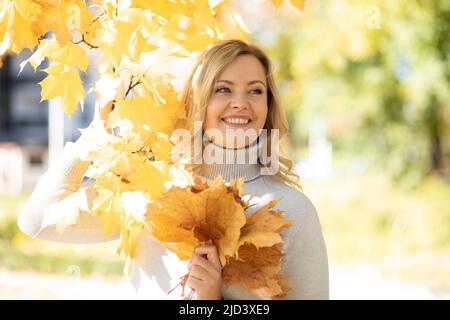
[211, 253]
[199, 272]
[194, 283]
[203, 262]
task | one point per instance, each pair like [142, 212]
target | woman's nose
[239, 102]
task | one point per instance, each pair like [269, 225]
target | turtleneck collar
[229, 163]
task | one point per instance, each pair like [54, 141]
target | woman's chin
[233, 138]
[237, 144]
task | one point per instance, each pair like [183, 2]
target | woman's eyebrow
[250, 82]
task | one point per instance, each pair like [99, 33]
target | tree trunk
[434, 123]
[436, 152]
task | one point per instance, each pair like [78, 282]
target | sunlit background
[366, 87]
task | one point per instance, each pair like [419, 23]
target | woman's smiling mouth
[236, 121]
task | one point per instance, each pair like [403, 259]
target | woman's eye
[223, 90]
[227, 90]
[256, 91]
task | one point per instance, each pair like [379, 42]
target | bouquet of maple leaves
[250, 249]
[136, 185]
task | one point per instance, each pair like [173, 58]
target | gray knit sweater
[155, 270]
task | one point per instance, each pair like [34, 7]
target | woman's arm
[59, 182]
[306, 262]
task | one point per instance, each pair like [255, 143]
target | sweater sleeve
[58, 182]
[305, 261]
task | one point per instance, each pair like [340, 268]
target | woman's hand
[205, 274]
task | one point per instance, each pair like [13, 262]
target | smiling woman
[231, 90]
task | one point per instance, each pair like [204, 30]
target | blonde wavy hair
[199, 89]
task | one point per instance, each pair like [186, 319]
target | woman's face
[238, 105]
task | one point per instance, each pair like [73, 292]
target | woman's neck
[229, 163]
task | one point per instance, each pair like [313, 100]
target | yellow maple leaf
[229, 23]
[29, 10]
[121, 165]
[162, 147]
[182, 219]
[115, 42]
[64, 18]
[256, 263]
[263, 228]
[111, 181]
[164, 9]
[63, 82]
[16, 25]
[163, 92]
[131, 231]
[150, 177]
[257, 270]
[138, 44]
[300, 4]
[277, 2]
[66, 211]
[144, 112]
[107, 205]
[142, 18]
[204, 17]
[44, 49]
[188, 35]
[108, 89]
[132, 170]
[70, 54]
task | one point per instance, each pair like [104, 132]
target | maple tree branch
[139, 151]
[131, 86]
[122, 179]
[83, 40]
[96, 18]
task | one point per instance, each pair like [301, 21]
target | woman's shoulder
[293, 201]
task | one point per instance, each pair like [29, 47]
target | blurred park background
[366, 87]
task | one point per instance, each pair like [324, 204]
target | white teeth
[237, 120]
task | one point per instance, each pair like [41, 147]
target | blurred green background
[20, 252]
[366, 87]
[369, 82]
